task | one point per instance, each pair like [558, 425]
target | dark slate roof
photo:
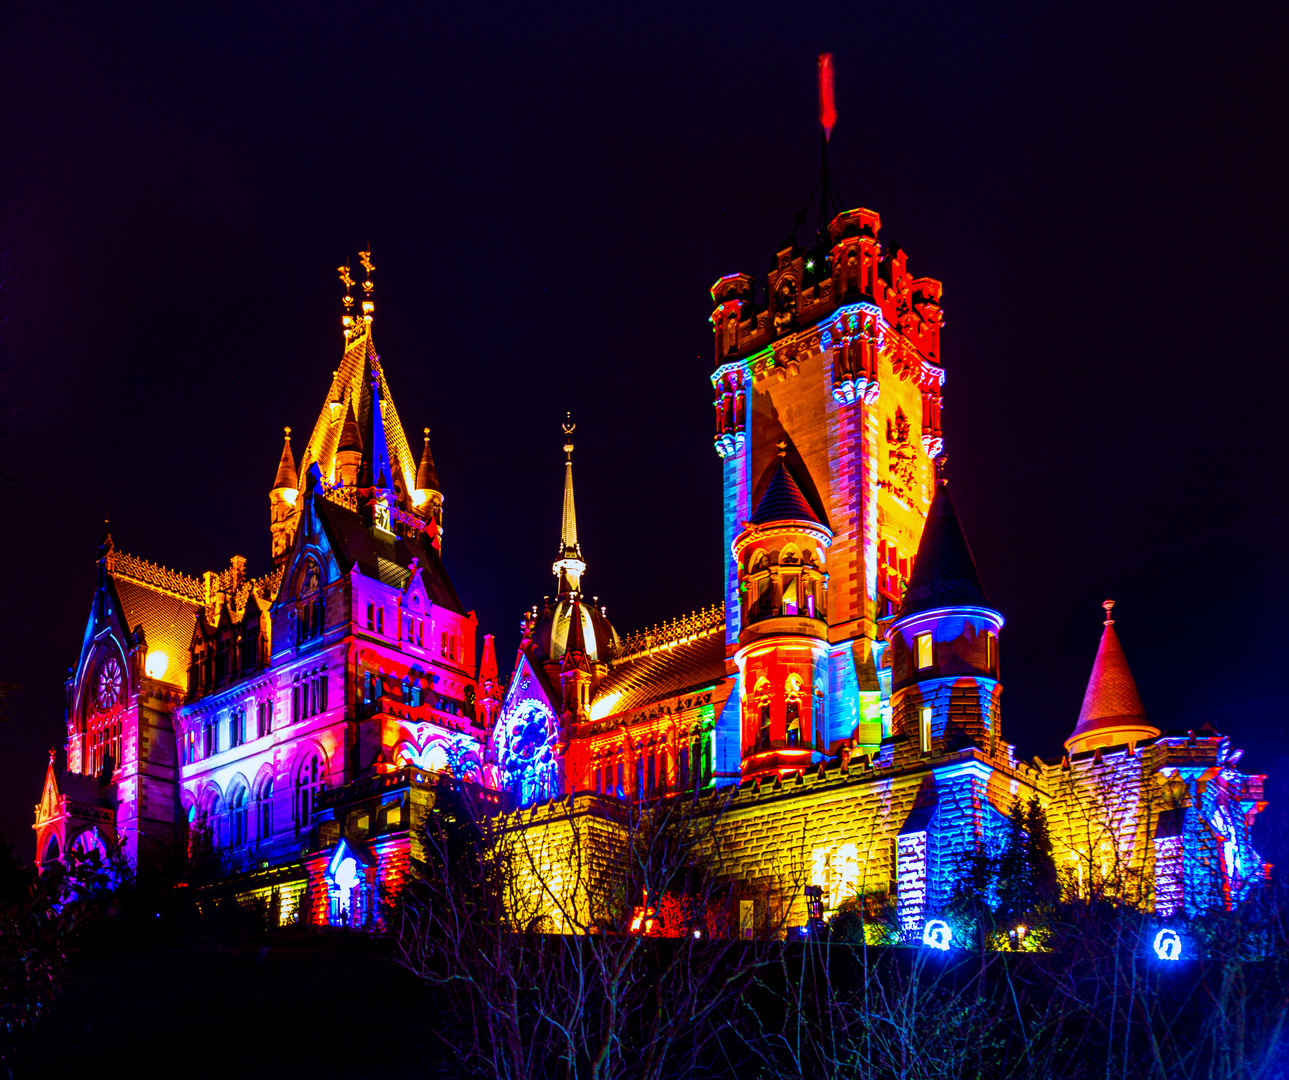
[782, 500]
[944, 573]
[81, 789]
[386, 559]
[665, 672]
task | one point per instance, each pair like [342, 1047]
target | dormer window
[922, 651]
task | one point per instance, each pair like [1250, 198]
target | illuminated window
[794, 722]
[682, 767]
[991, 651]
[443, 643]
[237, 818]
[371, 615]
[308, 783]
[208, 742]
[922, 651]
[790, 594]
[819, 720]
[266, 810]
[621, 792]
[380, 619]
[924, 730]
[764, 734]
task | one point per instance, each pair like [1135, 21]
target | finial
[783, 448]
[364, 257]
[52, 752]
[568, 427]
[346, 319]
[287, 429]
[427, 434]
[1109, 611]
[941, 468]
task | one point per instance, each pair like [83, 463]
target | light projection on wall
[529, 767]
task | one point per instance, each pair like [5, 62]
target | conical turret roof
[350, 437]
[782, 499]
[286, 474]
[944, 573]
[488, 665]
[427, 476]
[1111, 702]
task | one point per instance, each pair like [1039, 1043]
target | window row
[648, 776]
[308, 695]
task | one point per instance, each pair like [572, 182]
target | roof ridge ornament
[1109, 612]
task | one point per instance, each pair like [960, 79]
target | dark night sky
[548, 193]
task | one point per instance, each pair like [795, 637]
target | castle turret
[428, 496]
[284, 503]
[945, 687]
[783, 646]
[349, 452]
[1112, 712]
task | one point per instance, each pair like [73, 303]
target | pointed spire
[351, 439]
[488, 664]
[782, 499]
[286, 475]
[1112, 709]
[575, 655]
[376, 470]
[568, 533]
[944, 573]
[569, 566]
[427, 476]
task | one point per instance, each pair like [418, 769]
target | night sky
[548, 193]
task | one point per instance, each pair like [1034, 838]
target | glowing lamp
[346, 876]
[937, 935]
[419, 497]
[156, 664]
[290, 495]
[1168, 945]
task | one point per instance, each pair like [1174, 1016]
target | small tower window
[922, 651]
[991, 651]
[794, 722]
[764, 737]
[924, 730]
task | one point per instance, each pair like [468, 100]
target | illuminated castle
[845, 694]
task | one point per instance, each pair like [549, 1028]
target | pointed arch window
[309, 781]
[264, 810]
[237, 818]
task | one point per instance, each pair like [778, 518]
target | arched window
[792, 725]
[264, 810]
[309, 780]
[237, 817]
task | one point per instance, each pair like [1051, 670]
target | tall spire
[569, 566]
[377, 471]
[427, 476]
[1112, 711]
[286, 474]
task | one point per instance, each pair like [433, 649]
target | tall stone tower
[827, 379]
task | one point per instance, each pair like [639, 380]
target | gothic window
[237, 727]
[208, 742]
[308, 783]
[790, 594]
[652, 780]
[794, 722]
[639, 789]
[763, 742]
[371, 615]
[682, 767]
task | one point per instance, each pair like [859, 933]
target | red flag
[827, 109]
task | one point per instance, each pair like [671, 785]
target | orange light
[156, 664]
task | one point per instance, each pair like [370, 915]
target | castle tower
[1112, 712]
[836, 353]
[349, 453]
[284, 503]
[944, 646]
[783, 647]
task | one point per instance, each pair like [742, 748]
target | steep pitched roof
[944, 573]
[386, 559]
[286, 474]
[664, 673]
[782, 499]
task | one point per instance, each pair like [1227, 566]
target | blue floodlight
[1168, 945]
[937, 935]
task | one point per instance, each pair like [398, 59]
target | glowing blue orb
[937, 935]
[1168, 946]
